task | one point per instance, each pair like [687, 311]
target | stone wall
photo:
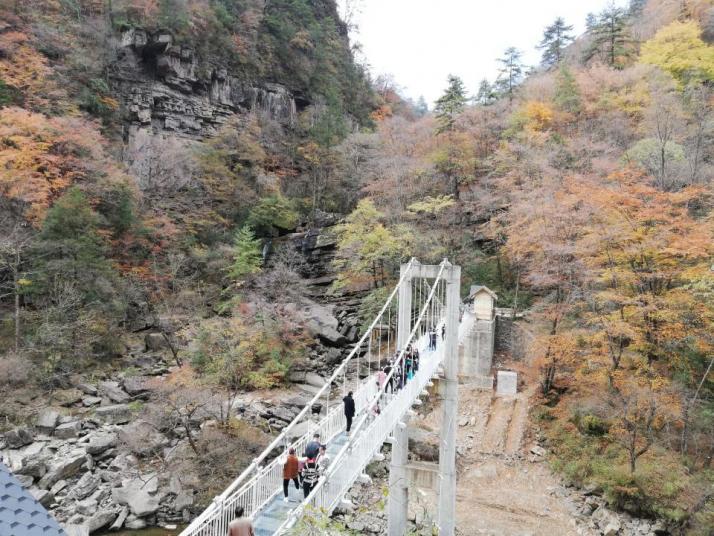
[512, 337]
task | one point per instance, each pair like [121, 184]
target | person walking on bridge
[310, 476]
[290, 472]
[349, 409]
[241, 526]
[313, 447]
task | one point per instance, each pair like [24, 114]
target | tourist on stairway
[443, 331]
[241, 526]
[349, 403]
[390, 380]
[291, 469]
[432, 339]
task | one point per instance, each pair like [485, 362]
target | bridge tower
[398, 475]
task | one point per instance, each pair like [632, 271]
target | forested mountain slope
[582, 194]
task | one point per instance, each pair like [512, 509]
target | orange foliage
[25, 69]
[42, 156]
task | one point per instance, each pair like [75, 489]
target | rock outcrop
[163, 86]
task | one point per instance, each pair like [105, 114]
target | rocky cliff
[163, 86]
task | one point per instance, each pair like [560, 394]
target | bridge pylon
[398, 474]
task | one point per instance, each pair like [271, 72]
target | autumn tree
[14, 260]
[510, 72]
[679, 50]
[450, 104]
[556, 37]
[368, 253]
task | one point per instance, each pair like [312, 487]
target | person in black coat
[349, 409]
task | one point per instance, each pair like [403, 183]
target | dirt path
[502, 490]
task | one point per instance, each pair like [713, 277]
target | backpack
[310, 473]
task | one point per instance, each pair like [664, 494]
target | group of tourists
[306, 471]
[404, 370]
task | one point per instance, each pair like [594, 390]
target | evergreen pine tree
[567, 93]
[247, 257]
[421, 107]
[590, 22]
[636, 7]
[556, 37]
[486, 94]
[450, 104]
[510, 73]
[610, 37]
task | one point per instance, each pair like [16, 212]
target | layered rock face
[160, 87]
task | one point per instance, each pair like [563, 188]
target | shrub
[15, 370]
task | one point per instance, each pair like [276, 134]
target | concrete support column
[399, 482]
[398, 477]
[447, 446]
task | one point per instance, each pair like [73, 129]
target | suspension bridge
[426, 298]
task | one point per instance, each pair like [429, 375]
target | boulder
[87, 389]
[89, 401]
[68, 430]
[85, 486]
[119, 521]
[608, 522]
[116, 414]
[311, 378]
[113, 392]
[18, 438]
[100, 520]
[142, 438]
[100, 442]
[35, 466]
[87, 507]
[62, 467]
[134, 522]
[136, 385]
[424, 444]
[47, 420]
[42, 496]
[139, 494]
[184, 499]
[322, 323]
[154, 342]
[67, 397]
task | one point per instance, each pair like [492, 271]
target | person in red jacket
[290, 472]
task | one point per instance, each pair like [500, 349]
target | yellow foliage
[679, 50]
[539, 116]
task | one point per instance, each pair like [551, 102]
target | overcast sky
[421, 41]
